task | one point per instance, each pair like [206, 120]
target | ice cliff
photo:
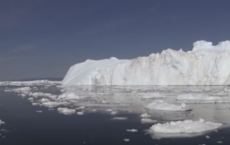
[206, 64]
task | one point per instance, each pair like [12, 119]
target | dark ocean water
[24, 126]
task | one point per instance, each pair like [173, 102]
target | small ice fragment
[113, 113]
[119, 118]
[109, 110]
[35, 104]
[147, 120]
[126, 140]
[80, 113]
[220, 142]
[145, 115]
[131, 130]
[207, 136]
[81, 107]
[39, 111]
[2, 122]
[30, 98]
[66, 111]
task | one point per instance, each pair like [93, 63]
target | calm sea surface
[25, 126]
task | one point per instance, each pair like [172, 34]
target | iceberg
[206, 64]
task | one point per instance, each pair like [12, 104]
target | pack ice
[206, 64]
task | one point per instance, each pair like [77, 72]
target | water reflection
[116, 100]
[133, 99]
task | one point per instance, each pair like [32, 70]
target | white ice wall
[204, 65]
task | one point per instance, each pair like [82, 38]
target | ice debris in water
[152, 95]
[2, 122]
[219, 142]
[145, 115]
[131, 130]
[161, 105]
[186, 126]
[66, 111]
[147, 120]
[80, 113]
[126, 140]
[201, 98]
[119, 118]
[30, 83]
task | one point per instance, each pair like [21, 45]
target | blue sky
[43, 38]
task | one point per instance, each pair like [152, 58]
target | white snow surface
[202, 98]
[206, 64]
[186, 126]
[161, 105]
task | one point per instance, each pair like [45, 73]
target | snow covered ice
[206, 64]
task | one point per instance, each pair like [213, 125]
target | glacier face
[206, 64]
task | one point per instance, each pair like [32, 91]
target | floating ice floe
[52, 104]
[68, 96]
[180, 128]
[200, 98]
[131, 130]
[113, 113]
[80, 113]
[119, 118]
[145, 115]
[66, 111]
[39, 111]
[30, 83]
[2, 122]
[152, 95]
[19, 90]
[161, 105]
[147, 120]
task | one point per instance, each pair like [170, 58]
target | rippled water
[24, 125]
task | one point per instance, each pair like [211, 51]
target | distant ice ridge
[29, 83]
[206, 64]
